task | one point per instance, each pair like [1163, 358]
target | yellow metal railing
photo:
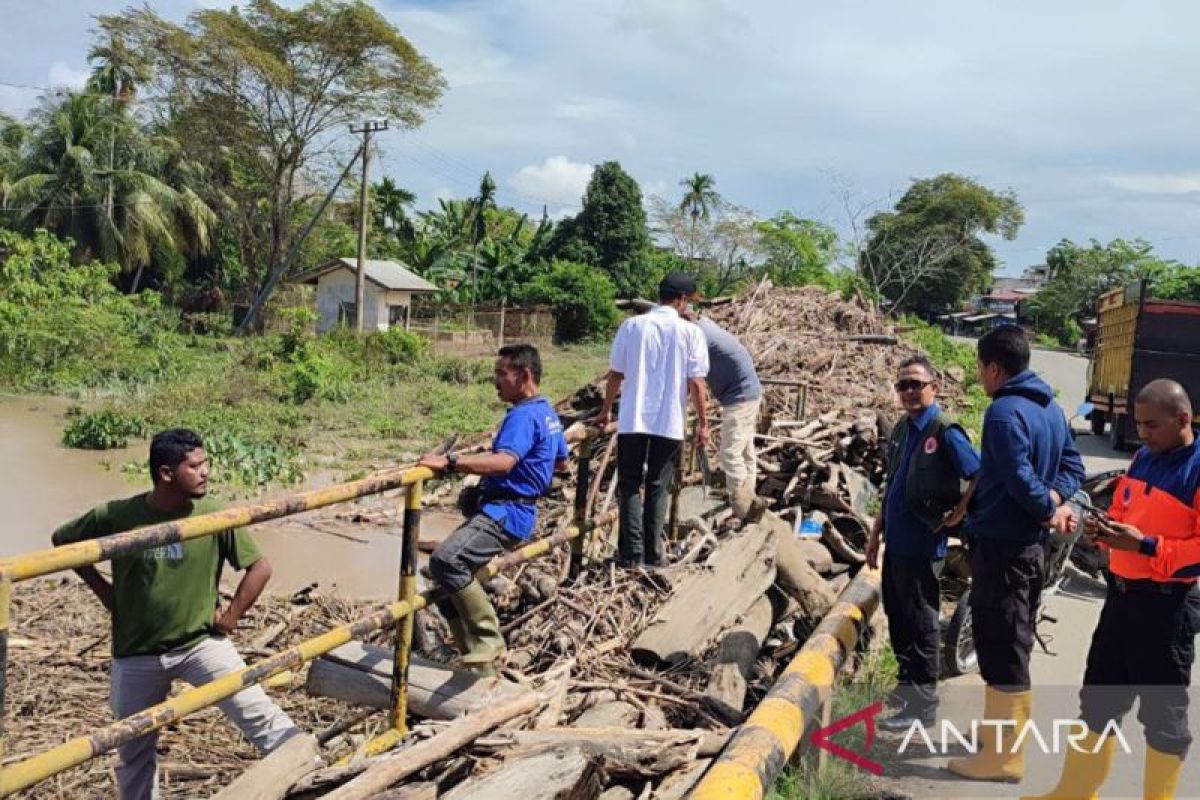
[398, 615]
[762, 746]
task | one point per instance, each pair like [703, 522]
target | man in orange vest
[1144, 644]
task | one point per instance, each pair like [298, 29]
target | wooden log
[797, 578]
[736, 656]
[653, 718]
[270, 778]
[708, 599]
[464, 730]
[815, 553]
[645, 759]
[708, 743]
[416, 791]
[563, 774]
[676, 785]
[832, 538]
[362, 674]
[617, 714]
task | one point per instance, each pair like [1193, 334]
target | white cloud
[1183, 183]
[557, 180]
[63, 75]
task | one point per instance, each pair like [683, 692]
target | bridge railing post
[402, 650]
[5, 615]
[582, 486]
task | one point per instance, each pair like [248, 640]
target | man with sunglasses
[929, 462]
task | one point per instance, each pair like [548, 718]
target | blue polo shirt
[532, 434]
[906, 534]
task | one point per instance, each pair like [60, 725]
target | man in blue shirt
[929, 459]
[526, 451]
[1030, 467]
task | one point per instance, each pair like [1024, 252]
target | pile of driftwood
[617, 684]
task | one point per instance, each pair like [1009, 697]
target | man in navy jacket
[1029, 468]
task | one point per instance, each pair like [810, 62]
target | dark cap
[676, 284]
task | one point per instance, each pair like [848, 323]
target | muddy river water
[43, 484]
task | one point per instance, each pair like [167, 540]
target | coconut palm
[117, 73]
[389, 201]
[63, 186]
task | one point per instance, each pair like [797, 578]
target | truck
[1138, 339]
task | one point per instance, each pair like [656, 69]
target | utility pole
[368, 127]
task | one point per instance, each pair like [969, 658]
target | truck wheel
[1116, 433]
[1097, 419]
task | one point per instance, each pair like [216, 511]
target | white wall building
[387, 294]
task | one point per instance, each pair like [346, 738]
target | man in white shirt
[657, 360]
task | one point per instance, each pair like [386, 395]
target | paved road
[1056, 674]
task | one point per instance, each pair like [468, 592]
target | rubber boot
[1087, 766]
[997, 759]
[1162, 775]
[481, 643]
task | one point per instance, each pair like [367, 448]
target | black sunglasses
[910, 385]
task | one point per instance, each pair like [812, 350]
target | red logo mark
[931, 445]
[822, 737]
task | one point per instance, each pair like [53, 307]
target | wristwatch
[451, 462]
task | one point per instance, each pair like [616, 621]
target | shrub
[397, 346]
[462, 371]
[100, 430]
[583, 298]
[315, 375]
[67, 325]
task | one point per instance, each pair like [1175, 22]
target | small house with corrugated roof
[388, 293]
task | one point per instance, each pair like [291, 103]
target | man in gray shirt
[733, 383]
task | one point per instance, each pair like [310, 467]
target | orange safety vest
[1160, 496]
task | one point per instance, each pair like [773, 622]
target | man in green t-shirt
[166, 617]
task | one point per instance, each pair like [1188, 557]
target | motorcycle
[958, 641]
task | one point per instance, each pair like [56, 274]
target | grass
[839, 779]
[279, 408]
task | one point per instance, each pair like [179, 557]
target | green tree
[117, 72]
[1178, 282]
[63, 186]
[12, 135]
[610, 231]
[796, 251]
[1079, 274]
[700, 197]
[480, 205]
[388, 202]
[582, 297]
[927, 254]
[280, 83]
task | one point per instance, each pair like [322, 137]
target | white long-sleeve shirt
[657, 352]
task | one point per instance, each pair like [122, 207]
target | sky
[1086, 110]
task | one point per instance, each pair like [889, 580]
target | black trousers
[1006, 587]
[911, 601]
[1143, 648]
[644, 461]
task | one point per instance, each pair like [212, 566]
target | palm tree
[700, 197]
[389, 202]
[485, 200]
[62, 187]
[117, 73]
[12, 134]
